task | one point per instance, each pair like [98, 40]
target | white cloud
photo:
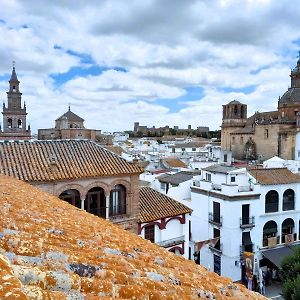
[165, 45]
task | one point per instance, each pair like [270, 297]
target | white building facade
[164, 221]
[244, 210]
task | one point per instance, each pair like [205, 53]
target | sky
[159, 62]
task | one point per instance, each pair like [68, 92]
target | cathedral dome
[292, 96]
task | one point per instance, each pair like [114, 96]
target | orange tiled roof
[155, 205]
[174, 163]
[274, 176]
[59, 160]
[50, 249]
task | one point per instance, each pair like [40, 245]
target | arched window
[287, 230]
[9, 123]
[242, 111]
[235, 110]
[117, 201]
[288, 200]
[19, 123]
[270, 234]
[71, 196]
[95, 202]
[271, 203]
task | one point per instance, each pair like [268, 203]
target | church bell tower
[14, 115]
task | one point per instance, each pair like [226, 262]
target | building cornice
[224, 197]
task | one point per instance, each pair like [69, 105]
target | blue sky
[125, 62]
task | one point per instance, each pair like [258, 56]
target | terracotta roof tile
[174, 163]
[50, 249]
[155, 205]
[274, 176]
[176, 178]
[70, 117]
[59, 160]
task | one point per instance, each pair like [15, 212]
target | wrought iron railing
[246, 222]
[216, 220]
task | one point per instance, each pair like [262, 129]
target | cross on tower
[14, 63]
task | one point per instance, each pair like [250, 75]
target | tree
[290, 276]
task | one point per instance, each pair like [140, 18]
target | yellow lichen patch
[58, 251]
[10, 286]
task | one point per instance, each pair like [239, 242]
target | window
[9, 123]
[270, 234]
[233, 140]
[266, 133]
[182, 149]
[271, 201]
[287, 228]
[217, 264]
[173, 150]
[14, 88]
[232, 179]
[216, 212]
[193, 149]
[19, 123]
[242, 140]
[245, 214]
[225, 157]
[208, 177]
[150, 233]
[217, 234]
[288, 200]
[243, 112]
[117, 201]
[72, 197]
[235, 109]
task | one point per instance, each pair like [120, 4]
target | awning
[246, 238]
[277, 255]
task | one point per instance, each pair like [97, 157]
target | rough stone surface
[108, 263]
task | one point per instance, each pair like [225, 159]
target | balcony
[271, 242]
[218, 248]
[248, 222]
[246, 248]
[215, 220]
[171, 242]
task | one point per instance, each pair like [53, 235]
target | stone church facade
[266, 134]
[69, 126]
[14, 115]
